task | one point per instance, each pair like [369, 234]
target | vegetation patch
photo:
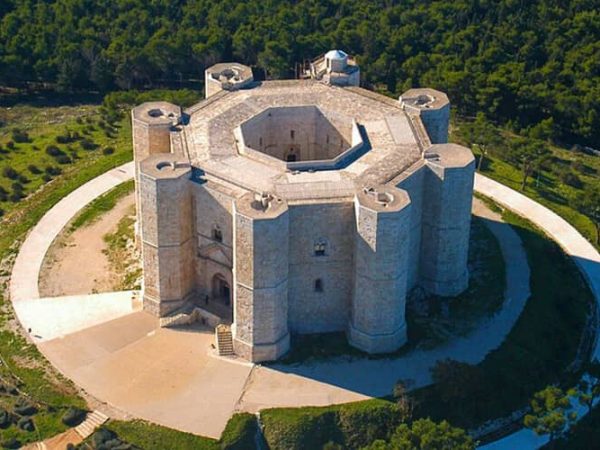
[155, 437]
[101, 205]
[352, 425]
[240, 432]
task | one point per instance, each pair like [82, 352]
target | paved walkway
[26, 270]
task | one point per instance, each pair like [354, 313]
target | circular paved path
[25, 275]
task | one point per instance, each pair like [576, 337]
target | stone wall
[314, 309]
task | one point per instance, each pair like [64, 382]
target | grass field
[548, 188]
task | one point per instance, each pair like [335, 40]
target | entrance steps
[91, 422]
[224, 340]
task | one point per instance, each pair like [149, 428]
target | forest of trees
[523, 63]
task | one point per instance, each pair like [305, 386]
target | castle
[300, 206]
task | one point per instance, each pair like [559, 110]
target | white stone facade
[301, 207]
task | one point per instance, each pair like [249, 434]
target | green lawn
[547, 188]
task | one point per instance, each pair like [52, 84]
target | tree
[405, 402]
[588, 203]
[550, 412]
[424, 434]
[529, 155]
[588, 388]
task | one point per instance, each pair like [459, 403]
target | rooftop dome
[336, 54]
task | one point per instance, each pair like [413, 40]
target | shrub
[51, 170]
[79, 120]
[102, 436]
[108, 151]
[20, 136]
[34, 169]
[11, 145]
[571, 179]
[5, 418]
[63, 159]
[87, 144]
[53, 150]
[11, 442]
[73, 416]
[3, 194]
[1, 214]
[47, 177]
[26, 424]
[10, 173]
[239, 432]
[24, 408]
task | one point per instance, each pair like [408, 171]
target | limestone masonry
[300, 206]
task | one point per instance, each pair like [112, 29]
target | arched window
[318, 285]
[320, 247]
[217, 234]
[292, 134]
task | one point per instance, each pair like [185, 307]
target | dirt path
[76, 262]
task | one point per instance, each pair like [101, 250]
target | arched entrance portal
[221, 291]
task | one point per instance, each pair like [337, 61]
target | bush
[79, 120]
[239, 432]
[20, 136]
[34, 169]
[10, 173]
[101, 436]
[53, 171]
[89, 145]
[571, 179]
[26, 424]
[11, 145]
[73, 416]
[63, 159]
[11, 442]
[108, 151]
[24, 408]
[54, 151]
[47, 177]
[5, 418]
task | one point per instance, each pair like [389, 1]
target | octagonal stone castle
[300, 206]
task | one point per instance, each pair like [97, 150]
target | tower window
[217, 234]
[260, 142]
[320, 248]
[292, 134]
[291, 157]
[318, 285]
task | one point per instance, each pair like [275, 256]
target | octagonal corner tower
[300, 206]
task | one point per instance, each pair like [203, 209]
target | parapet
[383, 199]
[166, 166]
[260, 206]
[157, 114]
[448, 156]
[434, 109]
[226, 77]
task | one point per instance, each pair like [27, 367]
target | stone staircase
[224, 340]
[91, 422]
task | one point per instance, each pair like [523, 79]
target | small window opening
[327, 140]
[291, 157]
[217, 234]
[318, 285]
[292, 134]
[320, 248]
[260, 142]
